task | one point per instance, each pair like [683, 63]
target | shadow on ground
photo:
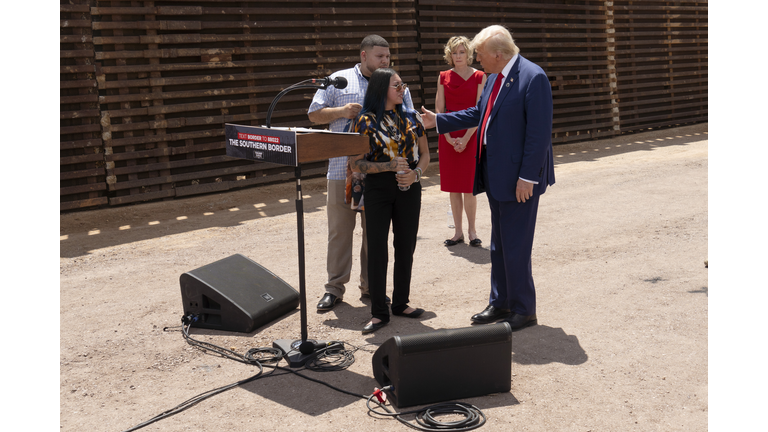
[84, 231]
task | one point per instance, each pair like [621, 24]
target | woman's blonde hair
[454, 43]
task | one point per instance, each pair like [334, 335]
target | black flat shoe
[372, 327]
[476, 242]
[451, 242]
[519, 322]
[490, 314]
[415, 314]
[327, 302]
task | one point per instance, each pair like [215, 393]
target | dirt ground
[618, 260]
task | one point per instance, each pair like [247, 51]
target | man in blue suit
[514, 167]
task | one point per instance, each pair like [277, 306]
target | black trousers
[385, 203]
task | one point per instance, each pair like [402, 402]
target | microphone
[338, 82]
[308, 347]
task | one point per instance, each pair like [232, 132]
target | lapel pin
[507, 84]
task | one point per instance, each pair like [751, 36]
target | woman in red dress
[457, 89]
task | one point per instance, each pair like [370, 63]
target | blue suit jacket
[519, 135]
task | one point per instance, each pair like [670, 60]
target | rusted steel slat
[645, 34]
[135, 169]
[69, 145]
[631, 126]
[585, 119]
[79, 204]
[168, 151]
[674, 27]
[84, 38]
[147, 25]
[662, 74]
[658, 53]
[82, 83]
[438, 47]
[429, 25]
[226, 185]
[71, 160]
[90, 187]
[678, 91]
[178, 136]
[230, 64]
[180, 177]
[626, 68]
[660, 42]
[271, 2]
[194, 52]
[223, 92]
[159, 10]
[147, 196]
[583, 108]
[79, 114]
[307, 24]
[669, 116]
[74, 23]
[676, 107]
[88, 98]
[73, 8]
[77, 69]
[64, 130]
[76, 54]
[335, 10]
[625, 87]
[479, 13]
[497, 4]
[606, 124]
[73, 175]
[637, 7]
[206, 38]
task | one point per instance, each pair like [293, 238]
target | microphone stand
[298, 352]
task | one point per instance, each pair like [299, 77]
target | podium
[293, 146]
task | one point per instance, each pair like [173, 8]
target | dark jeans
[385, 203]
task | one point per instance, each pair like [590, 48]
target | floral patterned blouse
[399, 137]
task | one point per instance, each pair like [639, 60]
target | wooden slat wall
[146, 86]
[568, 39]
[661, 62]
[82, 173]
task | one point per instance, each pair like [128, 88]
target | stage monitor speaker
[235, 294]
[445, 365]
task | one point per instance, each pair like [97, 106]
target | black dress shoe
[372, 327]
[489, 315]
[327, 302]
[415, 314]
[519, 322]
[451, 242]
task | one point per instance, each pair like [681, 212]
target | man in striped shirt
[338, 108]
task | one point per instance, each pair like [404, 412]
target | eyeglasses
[400, 86]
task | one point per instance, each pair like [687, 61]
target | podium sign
[261, 144]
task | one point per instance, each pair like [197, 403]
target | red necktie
[489, 107]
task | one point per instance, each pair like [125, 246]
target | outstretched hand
[428, 118]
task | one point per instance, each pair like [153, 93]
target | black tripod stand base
[292, 355]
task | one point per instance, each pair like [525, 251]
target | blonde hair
[496, 39]
[454, 43]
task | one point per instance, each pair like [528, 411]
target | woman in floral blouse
[398, 157]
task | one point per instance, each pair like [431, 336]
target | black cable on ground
[426, 418]
[333, 358]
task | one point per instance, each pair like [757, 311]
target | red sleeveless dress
[457, 170]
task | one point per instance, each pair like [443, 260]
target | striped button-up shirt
[332, 97]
